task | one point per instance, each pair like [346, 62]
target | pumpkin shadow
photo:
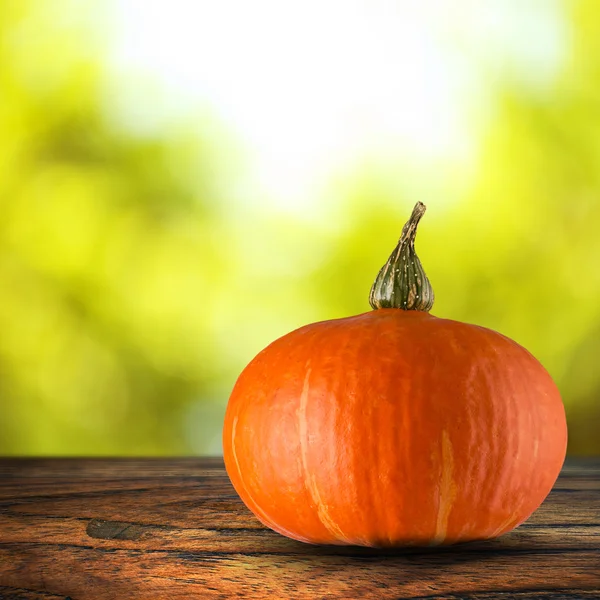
[474, 551]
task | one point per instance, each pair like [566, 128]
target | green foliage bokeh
[132, 292]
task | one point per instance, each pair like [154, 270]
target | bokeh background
[182, 182]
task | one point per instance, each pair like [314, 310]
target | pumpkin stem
[401, 282]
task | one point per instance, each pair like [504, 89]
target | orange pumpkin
[394, 427]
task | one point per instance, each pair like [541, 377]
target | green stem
[401, 282]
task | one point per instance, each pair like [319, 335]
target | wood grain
[123, 529]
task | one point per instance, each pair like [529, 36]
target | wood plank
[7, 593]
[123, 574]
[108, 529]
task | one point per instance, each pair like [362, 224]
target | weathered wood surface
[132, 528]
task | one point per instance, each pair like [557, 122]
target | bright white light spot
[313, 87]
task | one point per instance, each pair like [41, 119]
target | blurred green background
[181, 183]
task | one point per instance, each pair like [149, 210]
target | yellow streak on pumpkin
[255, 504]
[505, 526]
[310, 480]
[235, 458]
[447, 491]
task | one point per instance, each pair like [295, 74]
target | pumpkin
[394, 427]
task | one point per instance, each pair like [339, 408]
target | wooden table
[135, 528]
